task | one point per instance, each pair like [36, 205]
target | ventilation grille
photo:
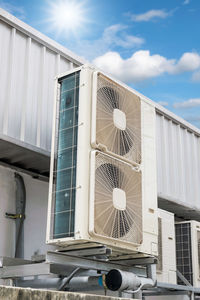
[118, 120]
[160, 260]
[118, 200]
[183, 252]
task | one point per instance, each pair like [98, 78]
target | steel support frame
[63, 263]
[66, 259]
[60, 263]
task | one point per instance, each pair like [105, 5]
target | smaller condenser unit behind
[166, 267]
[188, 251]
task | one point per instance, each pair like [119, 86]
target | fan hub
[119, 119]
[119, 199]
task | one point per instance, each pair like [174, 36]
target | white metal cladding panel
[27, 72]
[178, 162]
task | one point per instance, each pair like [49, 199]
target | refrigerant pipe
[117, 280]
[114, 280]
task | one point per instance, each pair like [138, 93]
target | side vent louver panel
[117, 200]
[118, 120]
[64, 176]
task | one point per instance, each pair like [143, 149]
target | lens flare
[67, 16]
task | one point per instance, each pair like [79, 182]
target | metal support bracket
[64, 263]
[14, 216]
[88, 252]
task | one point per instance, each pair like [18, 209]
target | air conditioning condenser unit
[188, 251]
[103, 165]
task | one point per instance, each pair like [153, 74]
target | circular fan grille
[124, 224]
[125, 142]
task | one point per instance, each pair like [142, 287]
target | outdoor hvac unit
[166, 267]
[103, 166]
[188, 251]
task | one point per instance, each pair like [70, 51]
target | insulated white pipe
[117, 280]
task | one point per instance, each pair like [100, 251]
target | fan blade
[118, 120]
[118, 200]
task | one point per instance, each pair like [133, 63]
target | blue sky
[153, 46]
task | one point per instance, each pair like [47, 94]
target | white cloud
[163, 103]
[196, 76]
[16, 10]
[189, 61]
[186, 2]
[150, 15]
[142, 65]
[188, 103]
[113, 37]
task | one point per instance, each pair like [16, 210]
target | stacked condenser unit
[103, 166]
[166, 267]
[188, 252]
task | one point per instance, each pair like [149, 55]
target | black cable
[20, 196]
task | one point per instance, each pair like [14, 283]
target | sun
[67, 16]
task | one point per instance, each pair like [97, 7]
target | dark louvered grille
[183, 252]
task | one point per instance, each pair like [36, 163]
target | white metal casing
[167, 250]
[195, 253]
[85, 174]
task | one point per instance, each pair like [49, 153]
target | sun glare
[67, 16]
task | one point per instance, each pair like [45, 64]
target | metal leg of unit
[126, 295]
[192, 296]
[137, 295]
[7, 282]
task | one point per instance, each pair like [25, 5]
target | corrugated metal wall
[29, 62]
[178, 162]
[27, 72]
